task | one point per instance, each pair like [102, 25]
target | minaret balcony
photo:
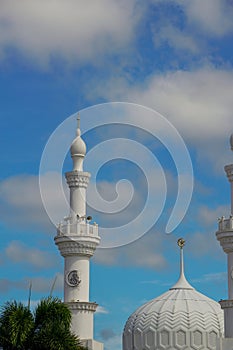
[225, 224]
[225, 233]
[68, 228]
[77, 237]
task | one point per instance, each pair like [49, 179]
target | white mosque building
[180, 319]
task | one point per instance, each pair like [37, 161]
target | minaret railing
[225, 224]
[77, 228]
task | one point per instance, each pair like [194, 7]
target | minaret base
[92, 344]
[227, 306]
[82, 323]
[82, 318]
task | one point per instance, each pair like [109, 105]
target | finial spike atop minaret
[78, 125]
[78, 149]
[182, 283]
[231, 141]
[78, 119]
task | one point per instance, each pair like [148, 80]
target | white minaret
[77, 240]
[225, 236]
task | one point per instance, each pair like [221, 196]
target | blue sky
[61, 57]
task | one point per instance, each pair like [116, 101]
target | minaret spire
[229, 172]
[78, 131]
[181, 244]
[182, 283]
[78, 149]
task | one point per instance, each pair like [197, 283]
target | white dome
[78, 150]
[78, 147]
[181, 318]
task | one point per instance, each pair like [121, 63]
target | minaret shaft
[230, 270]
[77, 207]
[229, 173]
[77, 182]
[231, 197]
[80, 264]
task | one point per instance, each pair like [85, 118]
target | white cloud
[107, 333]
[39, 284]
[218, 277]
[201, 240]
[208, 216]
[204, 241]
[213, 17]
[20, 253]
[43, 284]
[29, 214]
[91, 31]
[21, 202]
[102, 197]
[74, 31]
[176, 38]
[198, 103]
[101, 310]
[6, 285]
[116, 214]
[145, 252]
[204, 244]
[22, 205]
[188, 26]
[113, 343]
[151, 282]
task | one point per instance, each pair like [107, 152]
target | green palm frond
[16, 325]
[47, 329]
[52, 337]
[52, 309]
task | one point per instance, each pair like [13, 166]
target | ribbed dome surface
[180, 319]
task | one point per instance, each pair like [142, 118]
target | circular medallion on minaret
[72, 278]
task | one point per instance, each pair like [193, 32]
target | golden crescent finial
[181, 243]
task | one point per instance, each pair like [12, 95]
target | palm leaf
[16, 326]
